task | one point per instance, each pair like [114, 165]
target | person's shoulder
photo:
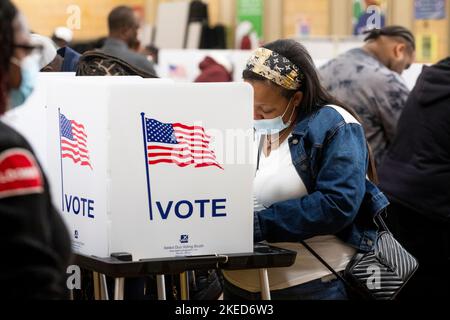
[141, 58]
[364, 62]
[328, 119]
[347, 65]
[140, 61]
[10, 138]
[348, 56]
[20, 172]
[334, 115]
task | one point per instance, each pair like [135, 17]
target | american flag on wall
[178, 144]
[74, 141]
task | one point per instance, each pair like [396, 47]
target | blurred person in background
[33, 238]
[64, 59]
[215, 68]
[48, 53]
[368, 79]
[123, 27]
[62, 37]
[246, 37]
[70, 59]
[152, 53]
[415, 176]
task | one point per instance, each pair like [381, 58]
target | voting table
[159, 172]
[263, 257]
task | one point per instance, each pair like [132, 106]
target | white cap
[222, 60]
[48, 51]
[63, 33]
[243, 29]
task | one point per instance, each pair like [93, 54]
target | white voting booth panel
[116, 201]
[30, 119]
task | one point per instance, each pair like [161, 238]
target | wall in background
[306, 16]
[44, 15]
[432, 35]
[283, 18]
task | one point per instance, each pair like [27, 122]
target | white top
[276, 181]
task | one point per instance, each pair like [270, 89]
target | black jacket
[34, 243]
[416, 171]
[119, 49]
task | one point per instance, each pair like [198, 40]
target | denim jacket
[331, 157]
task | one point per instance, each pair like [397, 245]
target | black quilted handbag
[383, 272]
[379, 274]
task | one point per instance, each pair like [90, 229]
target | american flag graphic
[178, 144]
[74, 141]
[177, 71]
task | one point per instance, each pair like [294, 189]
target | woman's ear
[399, 51]
[298, 98]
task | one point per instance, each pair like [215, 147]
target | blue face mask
[29, 69]
[273, 126]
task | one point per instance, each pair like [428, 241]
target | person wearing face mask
[28, 67]
[368, 80]
[33, 238]
[310, 183]
[123, 27]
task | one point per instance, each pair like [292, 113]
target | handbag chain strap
[318, 257]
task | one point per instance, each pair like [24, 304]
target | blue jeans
[315, 290]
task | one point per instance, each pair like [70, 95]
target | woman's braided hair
[7, 14]
[398, 32]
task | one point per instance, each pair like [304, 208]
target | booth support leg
[96, 280]
[119, 288]
[103, 288]
[184, 286]
[264, 282]
[161, 284]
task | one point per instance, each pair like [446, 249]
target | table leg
[264, 282]
[184, 286]
[95, 279]
[119, 288]
[160, 281]
[103, 288]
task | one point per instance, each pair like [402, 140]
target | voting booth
[141, 166]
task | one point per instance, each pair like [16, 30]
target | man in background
[123, 27]
[368, 79]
